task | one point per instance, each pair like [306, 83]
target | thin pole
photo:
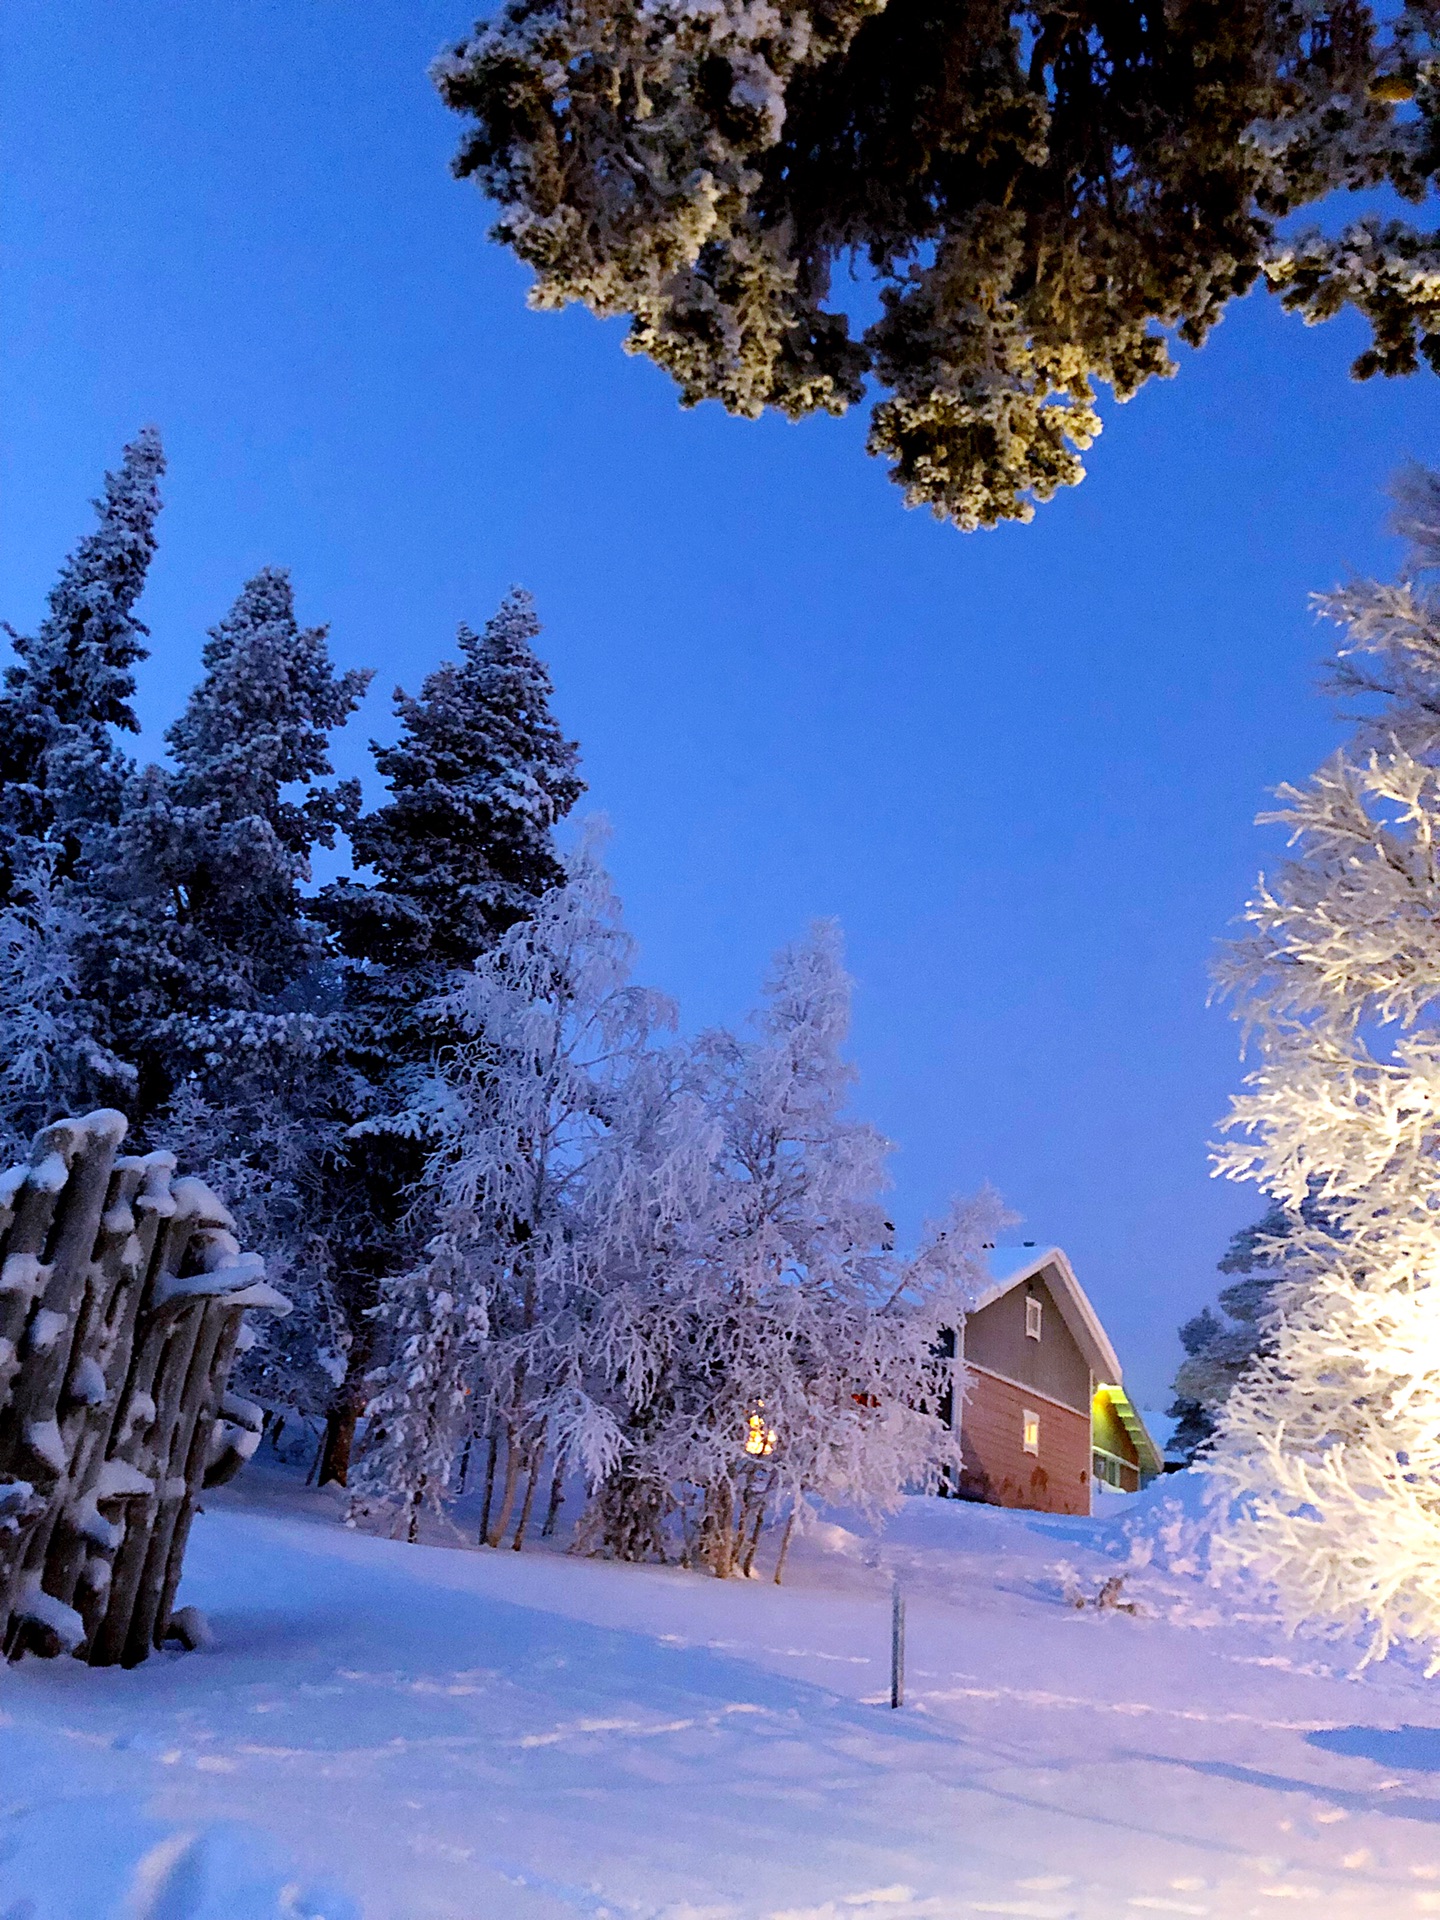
[897, 1646]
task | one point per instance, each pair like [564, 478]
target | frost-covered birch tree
[665, 1269]
[811, 1366]
[528, 1120]
[1332, 1440]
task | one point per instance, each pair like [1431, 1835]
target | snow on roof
[1010, 1266]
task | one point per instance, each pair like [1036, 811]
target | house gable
[996, 1337]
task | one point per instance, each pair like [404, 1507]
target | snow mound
[1168, 1527]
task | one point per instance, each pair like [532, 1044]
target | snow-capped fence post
[121, 1302]
[897, 1646]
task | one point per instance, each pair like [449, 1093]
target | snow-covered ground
[401, 1732]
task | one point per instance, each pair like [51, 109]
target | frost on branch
[664, 1269]
[1332, 1439]
[1042, 193]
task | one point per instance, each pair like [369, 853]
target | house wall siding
[995, 1337]
[997, 1467]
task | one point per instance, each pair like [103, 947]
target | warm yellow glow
[1032, 1432]
[759, 1439]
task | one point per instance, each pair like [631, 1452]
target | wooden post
[120, 1305]
[897, 1646]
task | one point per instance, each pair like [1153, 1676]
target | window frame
[1034, 1316]
[1030, 1432]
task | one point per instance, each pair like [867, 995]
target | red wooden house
[1045, 1422]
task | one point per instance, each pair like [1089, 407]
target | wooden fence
[122, 1297]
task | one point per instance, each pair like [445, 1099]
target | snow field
[386, 1732]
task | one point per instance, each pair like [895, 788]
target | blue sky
[1020, 766]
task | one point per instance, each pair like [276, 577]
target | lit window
[1033, 1310]
[759, 1438]
[1030, 1427]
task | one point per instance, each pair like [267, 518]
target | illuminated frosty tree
[1332, 1440]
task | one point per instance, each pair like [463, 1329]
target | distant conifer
[71, 683]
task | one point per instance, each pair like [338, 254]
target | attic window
[1033, 1310]
[1030, 1431]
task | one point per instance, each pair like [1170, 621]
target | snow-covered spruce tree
[1331, 1441]
[1043, 191]
[802, 1357]
[422, 1409]
[207, 949]
[62, 772]
[71, 684]
[203, 949]
[459, 852]
[535, 1170]
[1220, 1346]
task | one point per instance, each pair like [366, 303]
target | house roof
[1150, 1457]
[1011, 1266]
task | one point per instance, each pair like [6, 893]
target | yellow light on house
[759, 1439]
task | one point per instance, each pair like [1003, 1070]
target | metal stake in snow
[897, 1646]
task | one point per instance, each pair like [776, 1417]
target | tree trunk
[345, 1409]
[784, 1546]
[747, 1565]
[340, 1418]
[534, 1482]
[717, 1533]
[557, 1494]
[490, 1458]
[496, 1533]
[318, 1457]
